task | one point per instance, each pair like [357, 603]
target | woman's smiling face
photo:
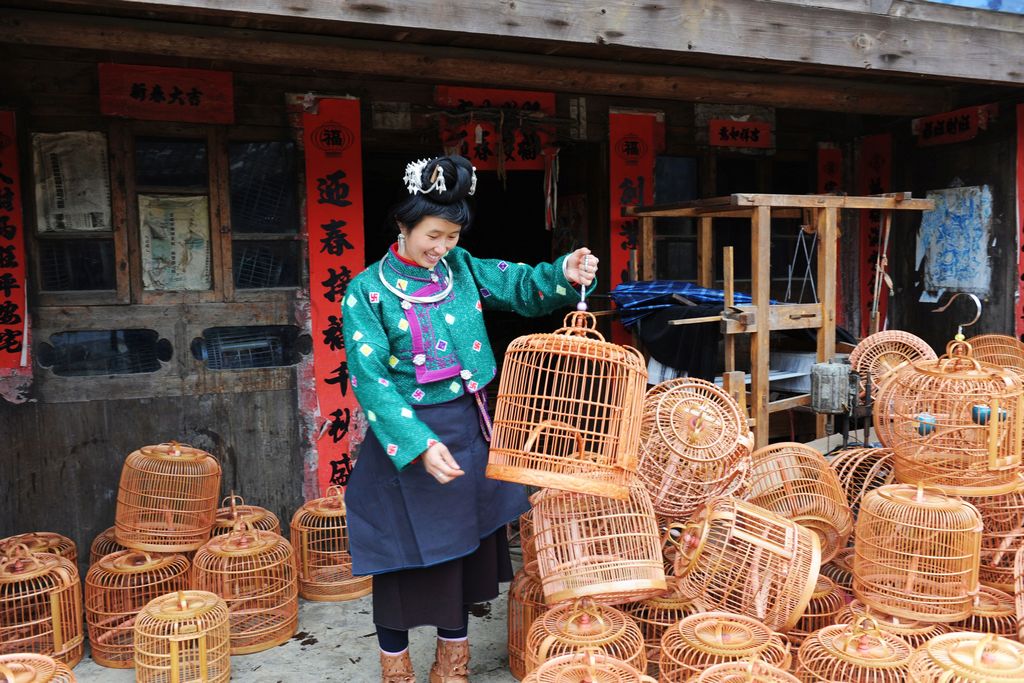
[430, 240]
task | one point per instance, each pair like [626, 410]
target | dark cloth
[689, 348]
[638, 299]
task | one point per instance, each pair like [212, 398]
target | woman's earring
[401, 244]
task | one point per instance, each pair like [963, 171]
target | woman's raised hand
[440, 464]
[581, 266]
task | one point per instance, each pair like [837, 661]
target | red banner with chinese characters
[830, 180]
[157, 93]
[729, 133]
[13, 303]
[334, 218]
[953, 126]
[635, 141]
[515, 142]
[874, 176]
[1020, 222]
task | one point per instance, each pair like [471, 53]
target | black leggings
[393, 641]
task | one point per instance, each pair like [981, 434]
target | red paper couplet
[13, 309]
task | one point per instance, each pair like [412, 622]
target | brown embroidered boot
[451, 663]
[396, 668]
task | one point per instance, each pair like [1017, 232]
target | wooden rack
[819, 211]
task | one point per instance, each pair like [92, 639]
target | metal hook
[960, 328]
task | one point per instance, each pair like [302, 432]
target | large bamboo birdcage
[1003, 519]
[254, 571]
[999, 349]
[105, 543]
[915, 633]
[656, 614]
[33, 668]
[585, 624]
[861, 470]
[167, 498]
[319, 536]
[567, 412]
[750, 671]
[694, 445]
[826, 601]
[965, 657]
[878, 356]
[525, 604]
[40, 605]
[41, 542]
[994, 612]
[955, 423]
[840, 568]
[916, 553]
[117, 587]
[586, 667]
[699, 641]
[853, 652]
[237, 511]
[1018, 591]
[740, 558]
[595, 546]
[183, 637]
[527, 544]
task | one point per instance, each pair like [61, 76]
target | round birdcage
[999, 349]
[167, 498]
[1018, 591]
[527, 544]
[1003, 519]
[954, 423]
[915, 633]
[861, 470]
[237, 511]
[254, 571]
[860, 651]
[840, 568]
[40, 605]
[699, 641]
[42, 542]
[740, 558]
[994, 612]
[183, 637]
[694, 444]
[965, 657]
[104, 544]
[319, 536]
[916, 554]
[32, 668]
[881, 354]
[750, 671]
[826, 601]
[586, 667]
[585, 624]
[117, 587]
[568, 410]
[594, 546]
[654, 615]
[525, 604]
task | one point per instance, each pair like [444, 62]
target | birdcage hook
[960, 327]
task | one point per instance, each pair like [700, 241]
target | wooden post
[647, 268]
[733, 381]
[760, 272]
[826, 221]
[705, 253]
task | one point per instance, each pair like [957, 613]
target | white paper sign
[72, 182]
[175, 238]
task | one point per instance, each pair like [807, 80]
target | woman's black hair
[449, 204]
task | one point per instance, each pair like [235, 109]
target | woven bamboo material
[586, 667]
[183, 637]
[853, 652]
[840, 568]
[525, 604]
[968, 658]
[694, 445]
[1003, 519]
[999, 349]
[567, 412]
[916, 553]
[167, 498]
[880, 355]
[117, 587]
[737, 557]
[795, 481]
[861, 470]
[596, 546]
[105, 543]
[752, 671]
[31, 668]
[585, 624]
[527, 543]
[654, 615]
[994, 612]
[319, 536]
[237, 511]
[702, 640]
[40, 606]
[915, 633]
[826, 601]
[254, 571]
[42, 542]
[1018, 591]
[955, 423]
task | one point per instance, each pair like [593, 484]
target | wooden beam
[647, 267]
[760, 272]
[789, 403]
[780, 317]
[332, 54]
[894, 201]
[705, 253]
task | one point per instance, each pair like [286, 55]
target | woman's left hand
[581, 266]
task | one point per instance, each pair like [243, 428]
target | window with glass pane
[104, 352]
[171, 163]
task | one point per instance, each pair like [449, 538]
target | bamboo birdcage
[594, 546]
[853, 652]
[319, 536]
[254, 571]
[1018, 590]
[42, 542]
[994, 612]
[1003, 519]
[694, 444]
[795, 481]
[740, 558]
[968, 658]
[567, 412]
[33, 668]
[167, 498]
[237, 511]
[40, 605]
[840, 568]
[954, 423]
[527, 544]
[861, 470]
[183, 637]
[117, 587]
[699, 641]
[586, 667]
[881, 354]
[916, 553]
[826, 602]
[656, 614]
[750, 671]
[581, 625]
[104, 544]
[525, 604]
[999, 349]
[915, 633]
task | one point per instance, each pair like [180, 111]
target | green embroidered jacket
[428, 353]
